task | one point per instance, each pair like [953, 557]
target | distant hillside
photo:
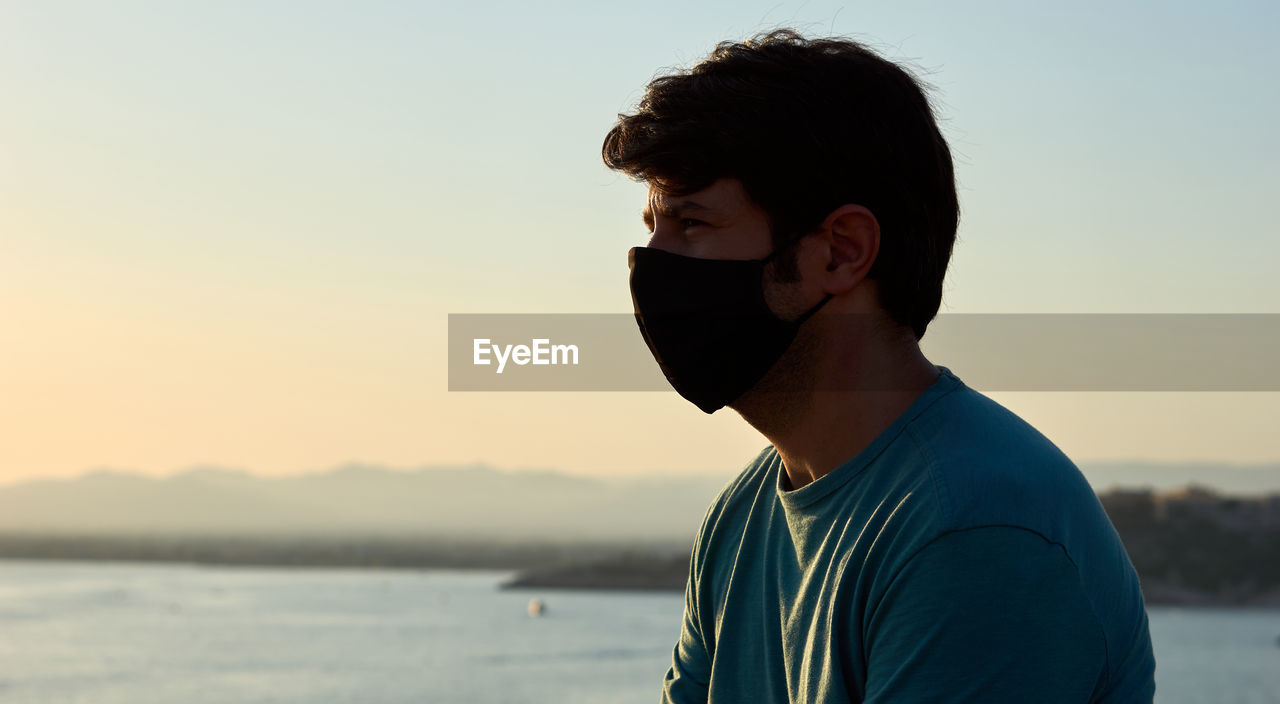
[1191, 545]
[1163, 476]
[476, 501]
[1195, 546]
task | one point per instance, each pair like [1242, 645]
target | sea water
[115, 633]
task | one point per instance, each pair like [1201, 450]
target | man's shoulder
[990, 466]
[973, 426]
[745, 488]
[997, 477]
[732, 506]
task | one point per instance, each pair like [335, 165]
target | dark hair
[808, 125]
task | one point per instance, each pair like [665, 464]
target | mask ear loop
[814, 309]
[779, 250]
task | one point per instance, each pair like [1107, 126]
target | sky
[231, 233]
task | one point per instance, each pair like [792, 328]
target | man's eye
[690, 222]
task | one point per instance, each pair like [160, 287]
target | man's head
[805, 127]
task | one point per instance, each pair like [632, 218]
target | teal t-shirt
[960, 557]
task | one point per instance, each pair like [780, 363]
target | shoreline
[631, 571]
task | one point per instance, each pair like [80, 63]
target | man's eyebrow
[672, 209]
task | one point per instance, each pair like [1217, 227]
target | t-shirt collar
[829, 482]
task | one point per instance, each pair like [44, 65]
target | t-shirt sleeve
[690, 672]
[988, 614]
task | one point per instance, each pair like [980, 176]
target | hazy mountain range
[475, 501]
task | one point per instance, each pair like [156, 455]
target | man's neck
[828, 427]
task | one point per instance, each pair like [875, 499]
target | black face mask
[707, 322]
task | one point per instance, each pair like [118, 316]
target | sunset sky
[231, 233]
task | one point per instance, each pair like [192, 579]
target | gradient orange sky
[231, 235]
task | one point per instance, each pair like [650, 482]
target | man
[904, 538]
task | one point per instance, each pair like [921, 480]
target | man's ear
[852, 236]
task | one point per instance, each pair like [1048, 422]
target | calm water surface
[108, 633]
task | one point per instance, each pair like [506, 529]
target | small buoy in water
[536, 607]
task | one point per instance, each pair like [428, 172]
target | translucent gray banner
[1013, 352]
